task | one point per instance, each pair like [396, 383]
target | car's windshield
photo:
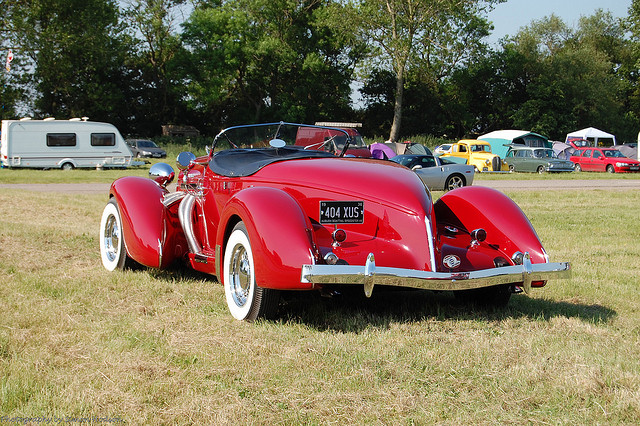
[613, 153]
[357, 141]
[444, 161]
[544, 153]
[147, 144]
[480, 148]
[308, 137]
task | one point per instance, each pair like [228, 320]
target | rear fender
[279, 232]
[152, 232]
[506, 225]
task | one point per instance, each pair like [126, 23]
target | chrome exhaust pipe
[185, 213]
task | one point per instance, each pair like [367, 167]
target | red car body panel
[279, 231]
[506, 225]
[291, 206]
[152, 231]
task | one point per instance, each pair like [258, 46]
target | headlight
[622, 164]
[146, 153]
[487, 162]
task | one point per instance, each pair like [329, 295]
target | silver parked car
[438, 173]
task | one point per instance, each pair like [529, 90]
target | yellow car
[478, 154]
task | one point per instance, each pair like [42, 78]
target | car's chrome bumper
[369, 275]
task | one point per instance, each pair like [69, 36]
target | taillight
[339, 236]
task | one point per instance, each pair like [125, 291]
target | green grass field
[149, 346]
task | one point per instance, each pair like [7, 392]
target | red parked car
[603, 160]
[265, 215]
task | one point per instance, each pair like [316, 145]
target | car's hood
[384, 182]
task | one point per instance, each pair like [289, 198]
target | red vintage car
[265, 215]
[603, 160]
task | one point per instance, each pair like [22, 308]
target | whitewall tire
[112, 247]
[245, 300]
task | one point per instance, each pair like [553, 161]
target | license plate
[334, 212]
[634, 168]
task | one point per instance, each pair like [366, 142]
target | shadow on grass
[353, 312]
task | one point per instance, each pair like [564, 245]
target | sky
[509, 17]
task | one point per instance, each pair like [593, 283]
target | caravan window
[61, 139]
[103, 139]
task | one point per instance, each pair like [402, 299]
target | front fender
[474, 207]
[279, 232]
[151, 232]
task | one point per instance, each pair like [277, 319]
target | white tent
[598, 137]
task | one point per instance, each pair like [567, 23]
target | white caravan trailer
[63, 144]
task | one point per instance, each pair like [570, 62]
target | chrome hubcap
[111, 238]
[240, 275]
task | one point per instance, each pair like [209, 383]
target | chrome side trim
[432, 251]
[218, 263]
[185, 212]
[370, 274]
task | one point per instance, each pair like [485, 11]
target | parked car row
[521, 158]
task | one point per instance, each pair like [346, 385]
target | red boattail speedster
[265, 215]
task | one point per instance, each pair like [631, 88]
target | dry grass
[159, 346]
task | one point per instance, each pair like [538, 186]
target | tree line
[420, 66]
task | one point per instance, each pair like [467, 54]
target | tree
[431, 37]
[77, 57]
[263, 60]
[11, 92]
[573, 81]
[152, 26]
[631, 69]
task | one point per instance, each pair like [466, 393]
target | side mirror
[417, 167]
[162, 174]
[185, 159]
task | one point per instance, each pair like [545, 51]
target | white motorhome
[65, 144]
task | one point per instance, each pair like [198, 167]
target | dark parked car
[145, 148]
[436, 172]
[532, 159]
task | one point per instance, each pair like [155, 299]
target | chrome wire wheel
[111, 238]
[240, 275]
[245, 300]
[239, 278]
